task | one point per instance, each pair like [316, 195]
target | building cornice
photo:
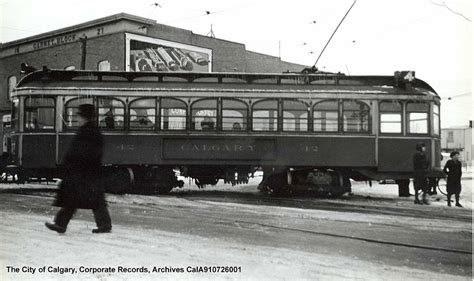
[78, 27]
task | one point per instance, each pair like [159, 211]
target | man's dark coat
[82, 185]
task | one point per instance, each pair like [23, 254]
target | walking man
[82, 186]
[453, 169]
[420, 165]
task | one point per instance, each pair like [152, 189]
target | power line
[18, 29]
[458, 96]
[451, 10]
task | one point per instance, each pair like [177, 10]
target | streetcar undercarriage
[144, 179]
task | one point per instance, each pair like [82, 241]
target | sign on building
[144, 53]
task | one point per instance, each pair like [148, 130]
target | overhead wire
[449, 9]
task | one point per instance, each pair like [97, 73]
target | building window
[234, 115]
[436, 120]
[325, 116]
[111, 113]
[11, 86]
[39, 113]
[417, 118]
[71, 67]
[295, 116]
[71, 120]
[142, 114]
[173, 114]
[356, 116]
[390, 117]
[204, 115]
[450, 136]
[103, 65]
[265, 115]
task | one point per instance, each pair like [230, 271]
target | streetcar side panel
[38, 151]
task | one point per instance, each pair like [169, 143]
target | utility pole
[211, 33]
[83, 41]
[279, 49]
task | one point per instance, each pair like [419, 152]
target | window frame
[306, 106]
[434, 125]
[129, 121]
[15, 112]
[245, 118]
[25, 128]
[277, 128]
[428, 120]
[11, 87]
[392, 112]
[160, 116]
[338, 111]
[369, 118]
[191, 115]
[98, 116]
[65, 107]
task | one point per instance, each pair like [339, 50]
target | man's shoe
[458, 205]
[55, 227]
[425, 199]
[102, 230]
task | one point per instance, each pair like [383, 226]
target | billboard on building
[144, 53]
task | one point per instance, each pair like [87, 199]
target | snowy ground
[263, 238]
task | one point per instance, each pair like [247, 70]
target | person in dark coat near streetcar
[82, 186]
[453, 169]
[420, 181]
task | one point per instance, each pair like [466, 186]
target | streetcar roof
[221, 81]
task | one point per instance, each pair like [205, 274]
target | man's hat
[419, 146]
[87, 111]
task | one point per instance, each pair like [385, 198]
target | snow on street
[367, 236]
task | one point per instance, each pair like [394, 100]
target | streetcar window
[111, 113]
[417, 118]
[204, 115]
[173, 114]
[390, 117]
[355, 116]
[39, 113]
[142, 114]
[295, 116]
[265, 115]
[436, 128]
[11, 85]
[15, 114]
[234, 115]
[325, 115]
[71, 119]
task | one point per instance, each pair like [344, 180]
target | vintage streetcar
[305, 131]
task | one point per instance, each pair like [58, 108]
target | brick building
[131, 43]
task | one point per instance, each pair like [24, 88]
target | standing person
[82, 187]
[420, 165]
[453, 169]
[109, 119]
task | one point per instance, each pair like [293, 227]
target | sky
[378, 37]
